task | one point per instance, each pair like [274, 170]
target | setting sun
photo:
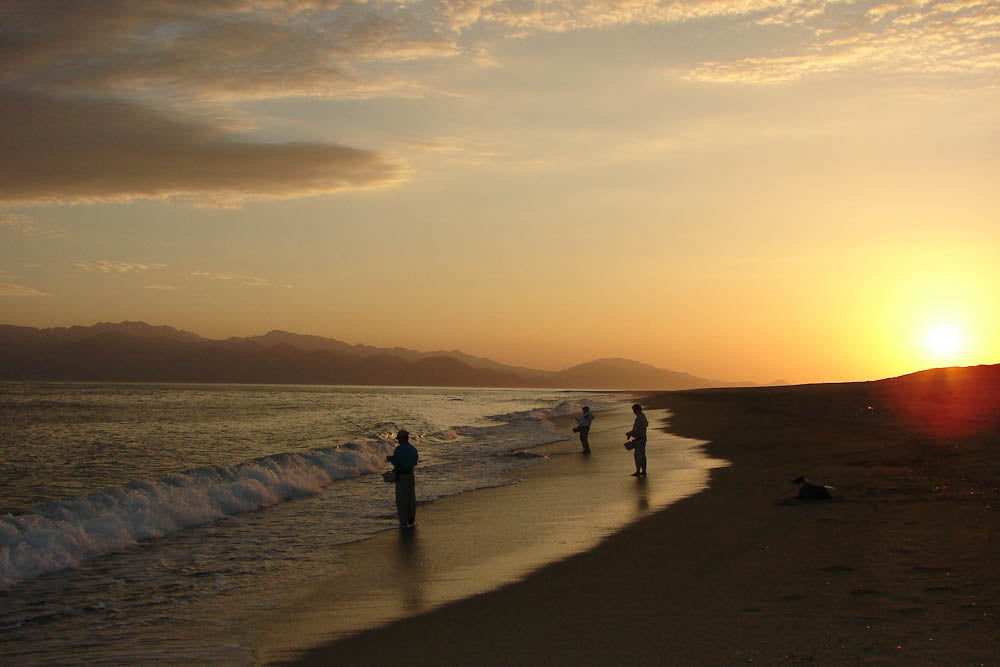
[943, 340]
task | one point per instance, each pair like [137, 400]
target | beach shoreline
[900, 569]
[474, 542]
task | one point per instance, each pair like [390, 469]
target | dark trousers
[406, 498]
[639, 454]
[584, 435]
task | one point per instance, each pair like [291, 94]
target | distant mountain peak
[138, 328]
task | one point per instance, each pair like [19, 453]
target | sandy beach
[476, 542]
[900, 569]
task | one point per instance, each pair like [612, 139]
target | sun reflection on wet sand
[472, 543]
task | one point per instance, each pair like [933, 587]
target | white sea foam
[64, 533]
[57, 535]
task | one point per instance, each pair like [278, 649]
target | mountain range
[139, 352]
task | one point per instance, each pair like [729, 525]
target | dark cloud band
[72, 149]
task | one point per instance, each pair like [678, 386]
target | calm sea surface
[125, 507]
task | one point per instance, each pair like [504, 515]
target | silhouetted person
[583, 423]
[404, 459]
[638, 435]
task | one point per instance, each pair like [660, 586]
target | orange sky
[775, 190]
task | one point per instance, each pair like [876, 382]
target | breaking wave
[61, 534]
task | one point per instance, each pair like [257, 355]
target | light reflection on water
[150, 603]
[68, 439]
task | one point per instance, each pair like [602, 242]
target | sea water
[131, 513]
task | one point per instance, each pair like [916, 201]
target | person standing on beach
[404, 459]
[583, 423]
[638, 435]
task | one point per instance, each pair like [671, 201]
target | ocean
[131, 513]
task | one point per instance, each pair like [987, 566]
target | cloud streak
[14, 289]
[922, 38]
[107, 266]
[87, 150]
[251, 281]
[28, 228]
[213, 275]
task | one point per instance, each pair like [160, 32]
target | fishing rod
[612, 428]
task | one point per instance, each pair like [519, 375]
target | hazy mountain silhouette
[137, 329]
[138, 352]
[628, 374]
[310, 343]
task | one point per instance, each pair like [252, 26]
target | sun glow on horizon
[937, 311]
[943, 340]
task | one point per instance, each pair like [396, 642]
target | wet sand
[476, 542]
[901, 569]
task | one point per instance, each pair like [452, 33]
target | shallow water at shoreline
[140, 572]
[474, 543]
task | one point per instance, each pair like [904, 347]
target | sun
[943, 340]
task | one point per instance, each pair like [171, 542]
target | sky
[737, 189]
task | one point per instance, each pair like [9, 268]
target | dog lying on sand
[810, 491]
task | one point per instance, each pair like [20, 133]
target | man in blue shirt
[404, 459]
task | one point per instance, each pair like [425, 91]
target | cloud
[164, 288]
[247, 49]
[73, 150]
[27, 227]
[212, 48]
[923, 38]
[226, 49]
[13, 289]
[85, 87]
[252, 281]
[257, 282]
[455, 149]
[212, 275]
[106, 266]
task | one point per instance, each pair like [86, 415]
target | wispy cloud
[212, 275]
[454, 149]
[226, 49]
[251, 281]
[14, 289]
[257, 282]
[160, 287]
[215, 48]
[921, 38]
[221, 49]
[25, 226]
[108, 266]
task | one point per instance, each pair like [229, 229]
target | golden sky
[742, 190]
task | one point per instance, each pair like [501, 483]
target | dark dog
[810, 491]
